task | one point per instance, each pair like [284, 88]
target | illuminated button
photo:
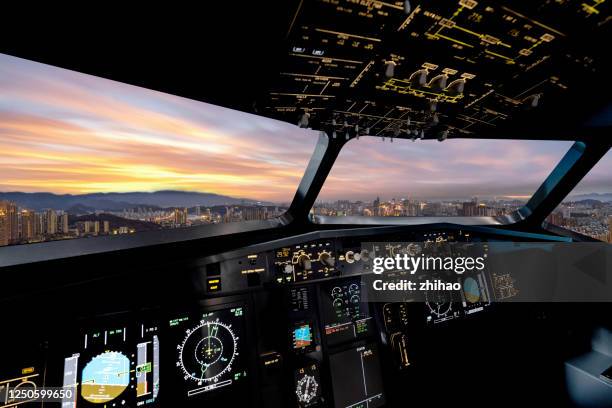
[213, 284]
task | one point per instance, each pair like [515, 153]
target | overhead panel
[431, 69]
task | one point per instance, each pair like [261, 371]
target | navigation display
[115, 366]
[474, 297]
[208, 351]
[356, 378]
[344, 314]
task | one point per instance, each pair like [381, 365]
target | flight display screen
[208, 352]
[115, 366]
[475, 294]
[18, 378]
[474, 297]
[302, 336]
[356, 378]
[344, 314]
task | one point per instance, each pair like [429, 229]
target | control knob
[326, 259]
[304, 262]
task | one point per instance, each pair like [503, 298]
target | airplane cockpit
[227, 214]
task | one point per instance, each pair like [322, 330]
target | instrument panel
[141, 359]
[289, 316]
[307, 261]
[300, 261]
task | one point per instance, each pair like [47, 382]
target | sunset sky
[66, 132]
[456, 168]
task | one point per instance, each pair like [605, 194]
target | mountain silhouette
[119, 201]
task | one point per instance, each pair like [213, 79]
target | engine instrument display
[345, 316]
[115, 366]
[208, 350]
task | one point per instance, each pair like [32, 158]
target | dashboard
[282, 323]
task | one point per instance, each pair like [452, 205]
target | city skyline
[20, 224]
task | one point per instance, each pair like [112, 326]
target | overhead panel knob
[327, 259]
[419, 78]
[456, 87]
[390, 69]
[532, 101]
[407, 7]
[438, 83]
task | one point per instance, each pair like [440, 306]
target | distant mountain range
[82, 203]
[603, 197]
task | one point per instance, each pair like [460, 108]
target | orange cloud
[66, 132]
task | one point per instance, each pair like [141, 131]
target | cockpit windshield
[83, 156]
[458, 177]
[588, 208]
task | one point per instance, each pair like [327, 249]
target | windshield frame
[573, 166]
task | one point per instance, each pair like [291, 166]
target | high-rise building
[375, 206]
[28, 228]
[90, 227]
[63, 223]
[255, 213]
[180, 216]
[555, 218]
[39, 224]
[470, 209]
[9, 223]
[50, 222]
